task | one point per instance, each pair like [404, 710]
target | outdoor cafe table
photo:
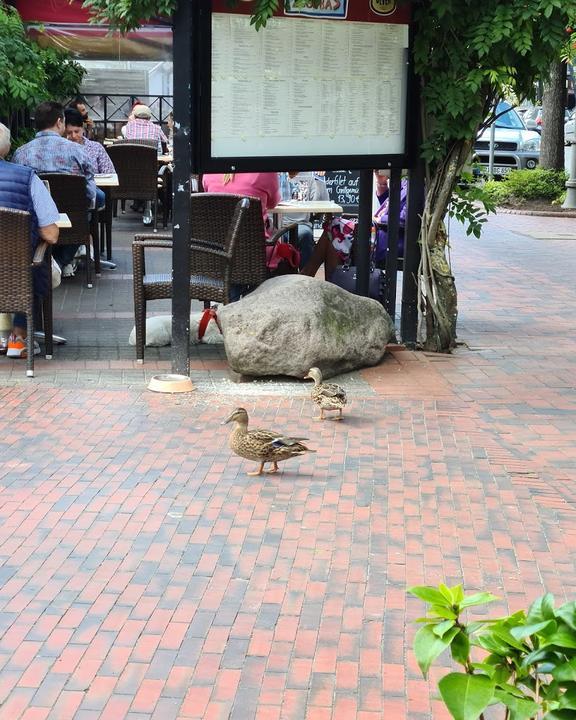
[297, 207]
[107, 181]
[315, 207]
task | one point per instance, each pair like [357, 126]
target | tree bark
[553, 103]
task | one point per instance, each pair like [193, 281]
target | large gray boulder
[292, 323]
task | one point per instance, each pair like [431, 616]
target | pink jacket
[261, 185]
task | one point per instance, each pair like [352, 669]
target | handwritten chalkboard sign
[344, 188]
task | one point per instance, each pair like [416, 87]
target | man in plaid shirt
[141, 127]
[50, 152]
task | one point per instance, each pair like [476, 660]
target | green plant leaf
[428, 646]
[523, 631]
[443, 612]
[568, 701]
[460, 647]
[520, 708]
[478, 599]
[565, 672]
[503, 634]
[564, 637]
[537, 656]
[466, 696]
[568, 613]
[429, 595]
[457, 594]
[442, 628]
[447, 593]
[541, 609]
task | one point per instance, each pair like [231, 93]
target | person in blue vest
[22, 189]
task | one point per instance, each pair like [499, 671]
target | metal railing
[110, 112]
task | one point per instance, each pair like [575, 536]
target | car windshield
[510, 119]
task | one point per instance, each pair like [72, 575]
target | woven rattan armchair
[227, 248]
[150, 142]
[16, 286]
[137, 168]
[69, 193]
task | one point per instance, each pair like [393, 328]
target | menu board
[344, 188]
[307, 87]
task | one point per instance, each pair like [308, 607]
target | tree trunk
[437, 285]
[553, 103]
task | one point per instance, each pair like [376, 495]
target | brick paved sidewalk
[144, 576]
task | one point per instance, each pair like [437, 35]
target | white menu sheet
[302, 87]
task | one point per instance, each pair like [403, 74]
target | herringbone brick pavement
[144, 576]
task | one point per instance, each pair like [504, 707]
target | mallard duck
[328, 396]
[264, 446]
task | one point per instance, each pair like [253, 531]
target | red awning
[51, 11]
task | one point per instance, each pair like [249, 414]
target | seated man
[96, 152]
[141, 127]
[302, 186]
[22, 189]
[50, 152]
[79, 104]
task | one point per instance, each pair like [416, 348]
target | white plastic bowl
[170, 384]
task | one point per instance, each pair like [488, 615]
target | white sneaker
[70, 269]
[81, 252]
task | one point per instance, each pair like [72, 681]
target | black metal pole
[362, 244]
[183, 80]
[391, 274]
[409, 317]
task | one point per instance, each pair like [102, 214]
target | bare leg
[324, 253]
[257, 472]
[274, 468]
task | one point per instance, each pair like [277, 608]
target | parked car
[515, 147]
[532, 118]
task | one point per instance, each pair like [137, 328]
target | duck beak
[306, 377]
[228, 419]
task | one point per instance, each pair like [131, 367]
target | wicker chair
[137, 141]
[16, 287]
[227, 248]
[69, 194]
[137, 168]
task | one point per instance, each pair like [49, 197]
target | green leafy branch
[528, 665]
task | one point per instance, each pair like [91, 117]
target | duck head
[314, 374]
[239, 415]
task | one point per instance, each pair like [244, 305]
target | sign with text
[344, 188]
[311, 84]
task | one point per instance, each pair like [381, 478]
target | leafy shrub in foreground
[527, 664]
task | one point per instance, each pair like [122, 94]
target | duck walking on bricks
[328, 396]
[263, 446]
